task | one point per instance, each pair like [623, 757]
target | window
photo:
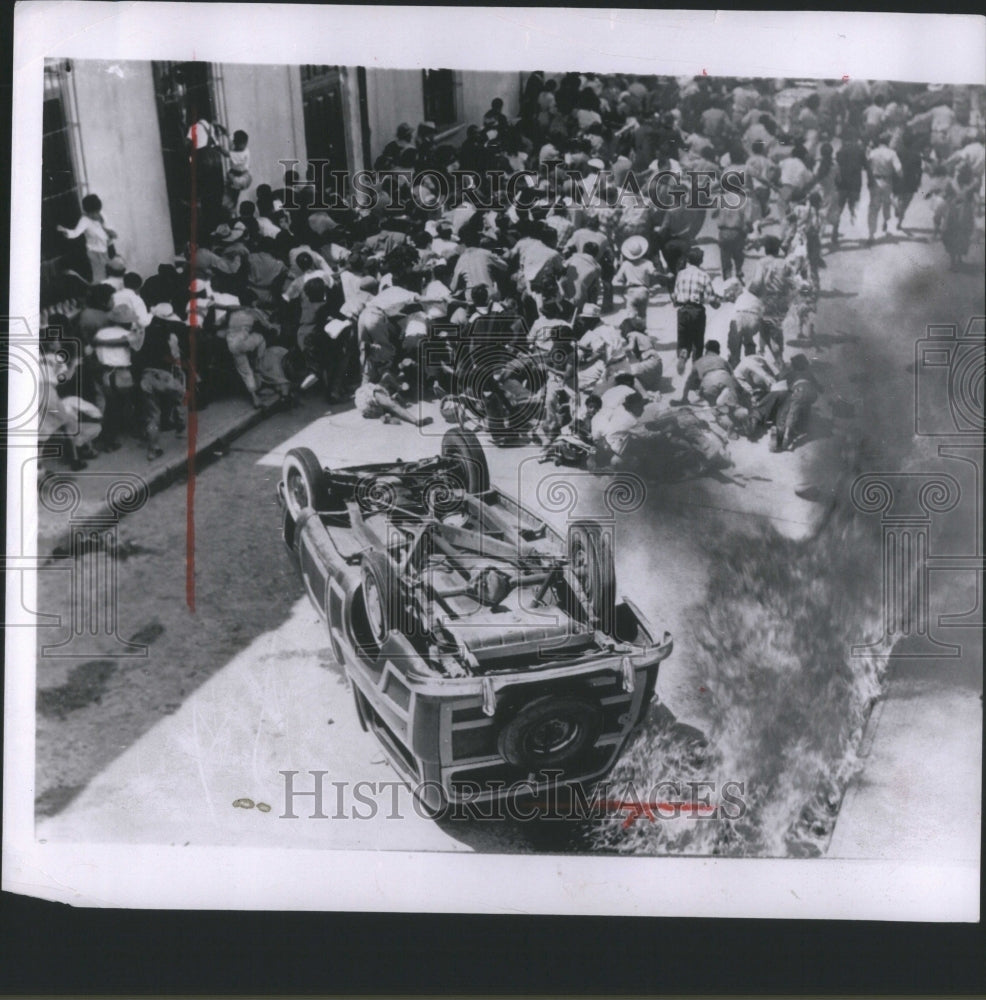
[439, 97]
[184, 94]
[60, 194]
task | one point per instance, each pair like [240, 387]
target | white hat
[634, 247]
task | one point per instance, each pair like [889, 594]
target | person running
[827, 179]
[883, 167]
[959, 222]
[773, 283]
[851, 161]
[906, 185]
[692, 290]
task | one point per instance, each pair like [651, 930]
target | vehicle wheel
[379, 596]
[463, 446]
[549, 732]
[590, 556]
[304, 481]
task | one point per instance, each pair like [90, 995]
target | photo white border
[929, 48]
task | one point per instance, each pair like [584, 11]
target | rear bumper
[444, 735]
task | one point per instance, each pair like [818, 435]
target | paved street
[158, 748]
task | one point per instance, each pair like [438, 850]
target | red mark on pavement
[635, 810]
[193, 416]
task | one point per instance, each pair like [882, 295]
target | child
[238, 171]
[98, 236]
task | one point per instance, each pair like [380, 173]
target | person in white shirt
[115, 270]
[756, 376]
[624, 385]
[129, 296]
[972, 155]
[98, 235]
[795, 179]
[113, 346]
[737, 324]
[882, 166]
[612, 428]
[442, 243]
[306, 264]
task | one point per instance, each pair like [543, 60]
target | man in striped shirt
[692, 289]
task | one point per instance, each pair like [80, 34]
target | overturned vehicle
[485, 651]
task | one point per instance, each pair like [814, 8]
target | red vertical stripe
[193, 416]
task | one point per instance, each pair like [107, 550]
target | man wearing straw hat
[635, 271]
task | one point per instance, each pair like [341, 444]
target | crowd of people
[532, 319]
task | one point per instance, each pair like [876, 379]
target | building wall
[121, 142]
[121, 148]
[392, 96]
[479, 88]
[396, 95]
[265, 101]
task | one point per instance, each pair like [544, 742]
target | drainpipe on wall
[364, 116]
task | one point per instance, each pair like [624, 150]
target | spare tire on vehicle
[470, 467]
[551, 731]
[304, 481]
[381, 598]
[590, 559]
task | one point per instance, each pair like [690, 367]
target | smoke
[775, 629]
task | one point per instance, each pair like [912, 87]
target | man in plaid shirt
[692, 289]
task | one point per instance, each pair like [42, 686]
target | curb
[58, 544]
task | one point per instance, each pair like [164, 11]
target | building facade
[119, 130]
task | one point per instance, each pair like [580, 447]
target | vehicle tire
[551, 731]
[381, 596]
[464, 448]
[304, 481]
[590, 556]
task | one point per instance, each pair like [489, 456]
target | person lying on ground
[382, 401]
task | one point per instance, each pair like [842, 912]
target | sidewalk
[221, 422]
[918, 796]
